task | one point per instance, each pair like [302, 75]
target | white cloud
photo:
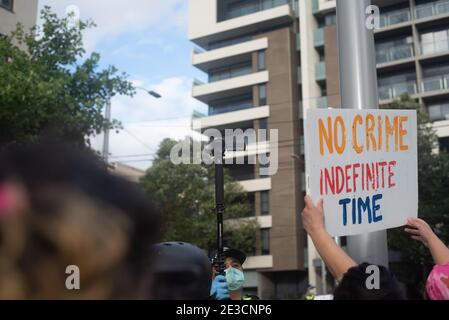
[148, 120]
[151, 20]
[116, 17]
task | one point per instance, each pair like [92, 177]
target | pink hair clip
[6, 202]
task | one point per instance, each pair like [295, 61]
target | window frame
[265, 234]
[264, 201]
[9, 8]
[265, 98]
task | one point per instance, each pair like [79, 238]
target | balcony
[441, 128]
[396, 90]
[434, 48]
[265, 222]
[258, 262]
[223, 88]
[320, 71]
[298, 42]
[394, 17]
[432, 9]
[252, 149]
[229, 55]
[254, 185]
[219, 120]
[250, 7]
[318, 38]
[230, 106]
[394, 53]
[323, 6]
[435, 83]
[438, 112]
[205, 30]
[230, 71]
[321, 103]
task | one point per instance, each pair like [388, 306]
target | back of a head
[76, 213]
[356, 285]
[181, 271]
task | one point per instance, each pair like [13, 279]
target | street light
[105, 152]
[150, 92]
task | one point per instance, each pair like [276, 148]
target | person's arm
[334, 257]
[421, 231]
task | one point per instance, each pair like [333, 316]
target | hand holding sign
[363, 163]
[313, 216]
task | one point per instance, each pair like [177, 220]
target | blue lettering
[376, 207]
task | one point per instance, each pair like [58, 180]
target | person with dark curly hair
[60, 207]
[351, 277]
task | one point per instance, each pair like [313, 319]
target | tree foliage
[47, 87]
[185, 195]
[433, 188]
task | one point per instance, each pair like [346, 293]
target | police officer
[230, 285]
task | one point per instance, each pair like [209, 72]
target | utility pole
[105, 152]
[358, 89]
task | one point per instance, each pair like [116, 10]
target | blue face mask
[234, 279]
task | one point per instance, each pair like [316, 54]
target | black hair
[53, 164]
[353, 286]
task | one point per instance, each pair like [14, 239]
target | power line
[157, 120]
[137, 138]
[133, 155]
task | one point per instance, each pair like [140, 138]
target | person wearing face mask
[230, 285]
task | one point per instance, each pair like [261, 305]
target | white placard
[363, 163]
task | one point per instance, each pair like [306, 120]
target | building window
[330, 19]
[301, 145]
[438, 111]
[263, 124]
[7, 4]
[236, 103]
[264, 203]
[263, 130]
[230, 9]
[444, 144]
[265, 165]
[261, 61]
[232, 71]
[265, 241]
[262, 95]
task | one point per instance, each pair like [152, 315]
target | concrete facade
[21, 11]
[300, 71]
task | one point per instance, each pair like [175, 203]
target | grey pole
[105, 152]
[358, 89]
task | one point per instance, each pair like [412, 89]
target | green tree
[48, 87]
[185, 195]
[433, 188]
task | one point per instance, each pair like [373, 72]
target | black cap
[181, 272]
[238, 255]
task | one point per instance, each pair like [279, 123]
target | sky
[147, 39]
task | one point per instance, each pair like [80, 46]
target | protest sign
[363, 163]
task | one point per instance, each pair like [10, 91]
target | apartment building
[15, 11]
[248, 52]
[266, 61]
[412, 53]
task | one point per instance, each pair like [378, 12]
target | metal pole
[219, 199]
[106, 131]
[358, 89]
